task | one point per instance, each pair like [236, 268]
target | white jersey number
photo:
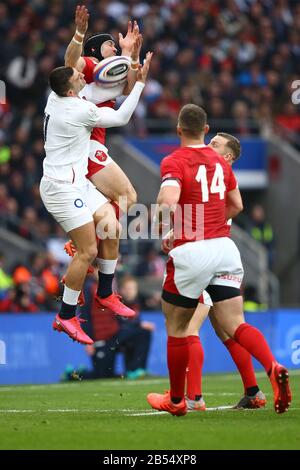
[217, 184]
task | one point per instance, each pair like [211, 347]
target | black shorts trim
[219, 293]
[179, 300]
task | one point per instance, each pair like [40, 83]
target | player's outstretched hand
[81, 19]
[137, 48]
[143, 71]
[126, 43]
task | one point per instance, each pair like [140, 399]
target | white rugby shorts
[193, 266]
[71, 206]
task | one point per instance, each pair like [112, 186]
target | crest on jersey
[101, 156]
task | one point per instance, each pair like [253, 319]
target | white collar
[199, 146]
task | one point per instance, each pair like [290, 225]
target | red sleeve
[88, 69]
[232, 181]
[171, 169]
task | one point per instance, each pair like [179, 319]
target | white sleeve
[97, 94]
[107, 117]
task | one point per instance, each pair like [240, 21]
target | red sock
[255, 343]
[178, 358]
[194, 370]
[243, 361]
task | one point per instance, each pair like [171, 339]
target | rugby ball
[111, 71]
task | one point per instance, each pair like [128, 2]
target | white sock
[70, 296]
[106, 266]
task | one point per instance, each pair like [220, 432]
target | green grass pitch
[114, 414]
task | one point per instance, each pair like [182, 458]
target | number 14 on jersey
[217, 184]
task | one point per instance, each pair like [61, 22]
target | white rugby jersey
[68, 123]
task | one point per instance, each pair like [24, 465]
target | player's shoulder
[81, 104]
[52, 97]
[171, 160]
[174, 156]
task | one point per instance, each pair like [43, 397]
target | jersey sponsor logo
[78, 203]
[100, 155]
[230, 277]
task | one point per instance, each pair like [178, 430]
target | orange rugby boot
[113, 302]
[163, 402]
[248, 402]
[279, 378]
[72, 328]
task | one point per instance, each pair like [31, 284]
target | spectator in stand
[6, 281]
[289, 120]
[19, 297]
[18, 300]
[261, 230]
[251, 300]
[152, 264]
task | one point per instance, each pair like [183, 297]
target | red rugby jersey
[205, 178]
[98, 133]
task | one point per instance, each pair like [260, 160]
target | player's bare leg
[230, 316]
[253, 397]
[177, 321]
[114, 184]
[195, 400]
[84, 238]
[108, 229]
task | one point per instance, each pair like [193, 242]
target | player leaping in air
[66, 192]
[103, 172]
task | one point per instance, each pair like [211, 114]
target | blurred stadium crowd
[233, 57]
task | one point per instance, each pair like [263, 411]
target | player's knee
[178, 326]
[221, 334]
[89, 253]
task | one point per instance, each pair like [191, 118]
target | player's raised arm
[107, 117]
[126, 44]
[135, 62]
[74, 50]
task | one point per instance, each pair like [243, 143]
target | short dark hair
[59, 80]
[192, 120]
[233, 143]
